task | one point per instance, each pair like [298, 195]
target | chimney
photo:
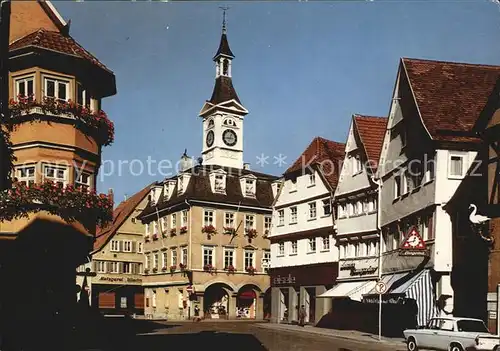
[111, 196]
[246, 166]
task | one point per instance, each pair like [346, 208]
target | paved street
[152, 336]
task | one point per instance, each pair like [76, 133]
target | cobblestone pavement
[242, 336]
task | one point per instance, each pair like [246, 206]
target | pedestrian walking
[197, 313]
[302, 315]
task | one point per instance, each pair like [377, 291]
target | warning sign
[413, 241]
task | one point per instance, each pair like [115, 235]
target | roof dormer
[154, 194]
[182, 182]
[168, 188]
[248, 185]
[218, 181]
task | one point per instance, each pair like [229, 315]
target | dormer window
[229, 122]
[276, 185]
[218, 181]
[211, 123]
[182, 182]
[154, 195]
[168, 188]
[180, 185]
[250, 187]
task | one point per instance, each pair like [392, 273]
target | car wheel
[456, 347]
[411, 344]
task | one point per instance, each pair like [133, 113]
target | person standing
[302, 315]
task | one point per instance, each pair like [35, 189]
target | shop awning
[388, 279]
[353, 290]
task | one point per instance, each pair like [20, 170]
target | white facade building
[304, 258]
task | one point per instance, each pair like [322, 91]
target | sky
[301, 69]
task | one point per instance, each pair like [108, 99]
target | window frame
[174, 258]
[294, 247]
[229, 219]
[80, 184]
[28, 180]
[24, 79]
[124, 245]
[246, 259]
[57, 80]
[293, 215]
[281, 217]
[323, 246]
[313, 210]
[250, 218]
[281, 248]
[229, 258]
[212, 216]
[54, 179]
[462, 158]
[311, 245]
[204, 254]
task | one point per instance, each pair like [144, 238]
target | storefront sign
[314, 274]
[112, 279]
[375, 299]
[120, 280]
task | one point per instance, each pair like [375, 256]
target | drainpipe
[190, 237]
[378, 182]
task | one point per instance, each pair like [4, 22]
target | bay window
[56, 88]
[25, 87]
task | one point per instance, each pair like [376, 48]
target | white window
[356, 249]
[82, 96]
[293, 185]
[312, 179]
[350, 209]
[180, 185]
[456, 167]
[359, 206]
[184, 255]
[281, 217]
[83, 180]
[146, 228]
[140, 247]
[155, 228]
[429, 170]
[220, 185]
[147, 262]
[293, 247]
[127, 246]
[127, 268]
[208, 218]
[342, 211]
[55, 174]
[173, 222]
[184, 218]
[266, 259]
[405, 183]
[327, 207]
[174, 257]
[56, 88]
[250, 187]
[371, 205]
[267, 224]
[249, 259]
[325, 241]
[26, 175]
[101, 267]
[229, 220]
[25, 87]
[164, 259]
[293, 215]
[312, 244]
[115, 246]
[114, 267]
[156, 260]
[281, 249]
[397, 186]
[356, 165]
[249, 221]
[368, 249]
[343, 251]
[163, 224]
[208, 256]
[312, 210]
[228, 257]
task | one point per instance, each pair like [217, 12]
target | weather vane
[224, 9]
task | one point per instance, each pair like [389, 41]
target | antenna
[224, 9]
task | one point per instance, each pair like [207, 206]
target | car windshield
[472, 326]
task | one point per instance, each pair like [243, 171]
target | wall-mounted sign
[123, 302]
[413, 244]
[284, 280]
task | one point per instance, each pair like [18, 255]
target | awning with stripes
[353, 290]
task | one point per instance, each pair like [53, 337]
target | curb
[400, 346]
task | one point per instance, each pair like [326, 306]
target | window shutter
[120, 246]
[134, 246]
[94, 266]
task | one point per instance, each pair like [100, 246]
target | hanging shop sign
[413, 244]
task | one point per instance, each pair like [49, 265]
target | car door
[426, 335]
[436, 338]
[447, 334]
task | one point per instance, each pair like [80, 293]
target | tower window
[229, 122]
[210, 123]
[225, 67]
[25, 87]
[57, 89]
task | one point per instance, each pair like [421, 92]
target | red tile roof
[371, 131]
[450, 95]
[55, 41]
[318, 152]
[120, 215]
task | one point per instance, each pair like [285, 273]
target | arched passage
[267, 304]
[246, 301]
[216, 300]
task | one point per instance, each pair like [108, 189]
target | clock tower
[223, 114]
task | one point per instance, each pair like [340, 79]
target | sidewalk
[352, 335]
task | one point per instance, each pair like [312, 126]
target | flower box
[183, 230]
[96, 124]
[164, 269]
[172, 269]
[155, 237]
[173, 231]
[208, 268]
[209, 229]
[250, 269]
[147, 239]
[229, 231]
[164, 234]
[230, 269]
[251, 233]
[182, 266]
[155, 270]
[66, 202]
[146, 271]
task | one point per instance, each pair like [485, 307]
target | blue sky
[301, 68]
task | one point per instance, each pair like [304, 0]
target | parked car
[452, 334]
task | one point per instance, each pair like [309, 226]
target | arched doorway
[246, 302]
[216, 301]
[267, 304]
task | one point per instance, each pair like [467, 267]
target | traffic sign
[413, 240]
[380, 287]
[190, 289]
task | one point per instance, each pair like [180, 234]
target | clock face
[210, 138]
[229, 137]
[413, 240]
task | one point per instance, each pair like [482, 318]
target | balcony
[92, 123]
[66, 202]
